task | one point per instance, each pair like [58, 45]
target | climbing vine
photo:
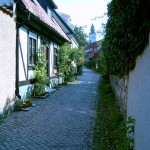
[65, 62]
[70, 58]
[40, 73]
[127, 34]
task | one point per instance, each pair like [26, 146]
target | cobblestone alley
[63, 121]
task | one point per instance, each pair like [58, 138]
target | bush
[126, 35]
[41, 79]
[87, 64]
[68, 59]
[79, 70]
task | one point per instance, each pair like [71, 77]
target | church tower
[92, 34]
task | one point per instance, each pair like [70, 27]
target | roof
[59, 15]
[6, 10]
[64, 16]
[96, 48]
[35, 8]
[69, 28]
[53, 4]
[94, 44]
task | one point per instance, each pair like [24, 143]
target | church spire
[92, 29]
[92, 34]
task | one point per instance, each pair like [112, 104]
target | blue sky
[83, 12]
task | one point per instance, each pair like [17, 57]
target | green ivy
[127, 34]
[66, 56]
[65, 61]
[40, 73]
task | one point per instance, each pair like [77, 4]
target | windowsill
[31, 67]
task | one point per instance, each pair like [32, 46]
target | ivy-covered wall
[127, 32]
[126, 52]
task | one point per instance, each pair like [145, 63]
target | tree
[101, 33]
[67, 56]
[78, 56]
[81, 35]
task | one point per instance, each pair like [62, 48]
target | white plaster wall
[30, 74]
[23, 50]
[74, 44]
[7, 62]
[24, 89]
[22, 54]
[23, 60]
[51, 59]
[139, 100]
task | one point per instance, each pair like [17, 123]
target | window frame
[55, 62]
[32, 49]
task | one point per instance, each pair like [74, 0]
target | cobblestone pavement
[63, 121]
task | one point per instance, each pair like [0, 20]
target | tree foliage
[81, 35]
[127, 34]
[67, 56]
[64, 60]
[78, 56]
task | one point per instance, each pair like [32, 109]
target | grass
[110, 131]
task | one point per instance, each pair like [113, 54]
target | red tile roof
[35, 8]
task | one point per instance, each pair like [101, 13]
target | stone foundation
[120, 87]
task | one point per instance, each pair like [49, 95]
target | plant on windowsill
[40, 74]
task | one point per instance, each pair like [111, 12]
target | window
[55, 57]
[32, 51]
[49, 12]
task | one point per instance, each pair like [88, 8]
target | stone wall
[7, 61]
[120, 87]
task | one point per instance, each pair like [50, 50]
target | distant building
[66, 18]
[92, 34]
[91, 53]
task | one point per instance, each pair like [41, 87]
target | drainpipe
[17, 63]
[17, 51]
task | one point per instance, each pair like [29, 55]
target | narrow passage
[63, 121]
